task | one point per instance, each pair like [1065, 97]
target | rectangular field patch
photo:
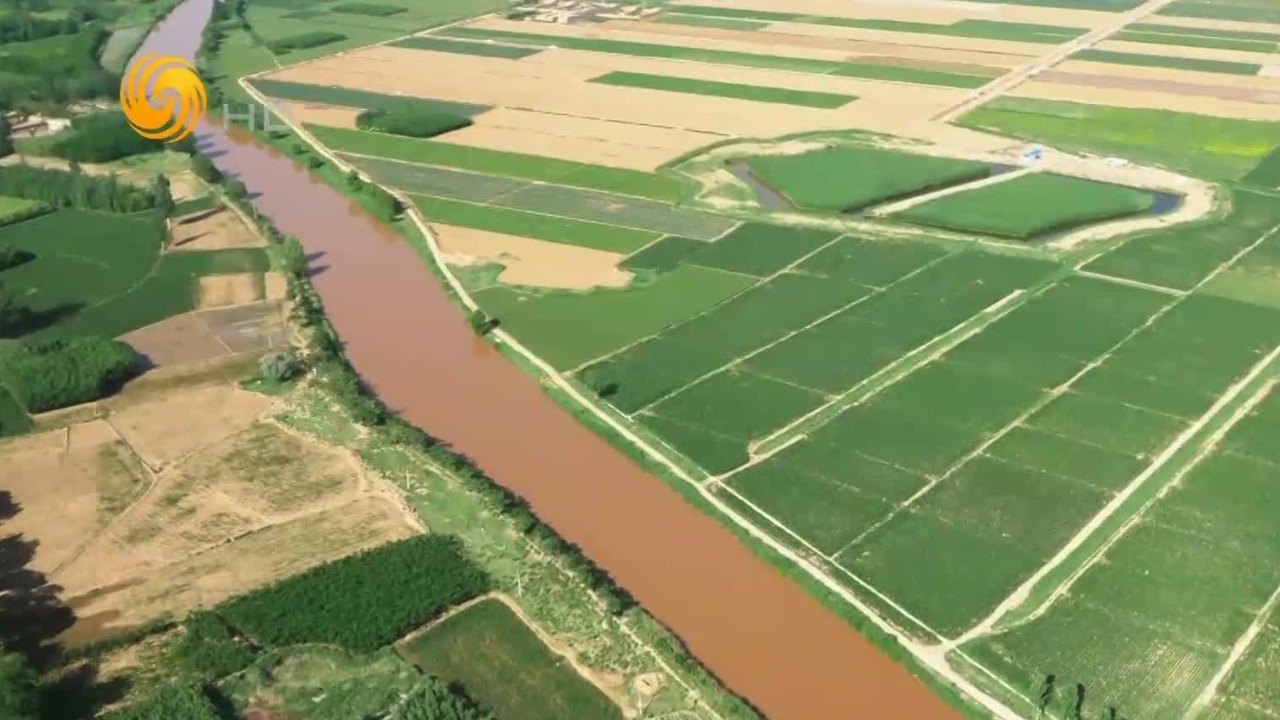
[761, 250]
[612, 209]
[440, 182]
[348, 97]
[1166, 61]
[756, 93]
[663, 255]
[462, 47]
[532, 225]
[738, 404]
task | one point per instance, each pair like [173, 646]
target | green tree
[17, 688]
[204, 169]
[163, 194]
[6, 144]
[10, 311]
[237, 190]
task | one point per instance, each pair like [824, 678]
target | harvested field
[534, 263]
[227, 290]
[490, 218]
[755, 93]
[1118, 82]
[317, 114]
[180, 339]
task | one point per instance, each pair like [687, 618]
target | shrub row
[364, 601]
[13, 257]
[19, 213]
[61, 373]
[61, 188]
[170, 702]
[105, 136]
[363, 8]
[411, 120]
[301, 41]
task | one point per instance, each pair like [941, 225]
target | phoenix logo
[162, 97]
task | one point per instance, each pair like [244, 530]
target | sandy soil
[230, 503]
[213, 230]
[180, 339]
[227, 290]
[1151, 100]
[1122, 82]
[532, 262]
[317, 114]
[275, 285]
[1004, 47]
[783, 41]
[934, 11]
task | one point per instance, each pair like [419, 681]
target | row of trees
[74, 189]
[411, 119]
[106, 136]
[23, 25]
[60, 373]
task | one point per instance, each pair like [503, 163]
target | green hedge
[61, 373]
[305, 40]
[13, 257]
[411, 120]
[363, 8]
[176, 701]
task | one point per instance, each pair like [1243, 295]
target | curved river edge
[757, 631]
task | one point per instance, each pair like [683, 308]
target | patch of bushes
[170, 702]
[279, 366]
[411, 120]
[433, 700]
[361, 8]
[18, 209]
[55, 69]
[209, 650]
[61, 373]
[305, 40]
[105, 136]
[62, 188]
[364, 601]
[13, 257]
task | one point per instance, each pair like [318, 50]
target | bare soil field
[785, 40]
[1004, 47]
[933, 11]
[181, 495]
[180, 339]
[217, 229]
[1123, 82]
[217, 291]
[317, 114]
[1140, 99]
[532, 262]
[1243, 82]
[245, 328]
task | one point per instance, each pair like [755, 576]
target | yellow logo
[162, 97]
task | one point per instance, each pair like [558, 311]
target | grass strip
[462, 47]
[507, 164]
[715, 88]
[565, 231]
[1195, 41]
[1165, 61]
[348, 97]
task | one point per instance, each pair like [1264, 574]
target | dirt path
[1007, 82]
[915, 200]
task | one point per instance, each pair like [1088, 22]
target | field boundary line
[1022, 593]
[926, 658]
[1132, 283]
[875, 292]
[906, 364]
[762, 282]
[907, 203]
[1238, 650]
[1207, 446]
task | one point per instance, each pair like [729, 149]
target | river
[762, 635]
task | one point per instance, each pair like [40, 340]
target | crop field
[756, 93]
[516, 674]
[440, 44]
[1258, 11]
[843, 179]
[533, 225]
[1160, 34]
[1029, 206]
[1212, 147]
[1165, 61]
[284, 90]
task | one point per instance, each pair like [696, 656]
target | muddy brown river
[763, 636]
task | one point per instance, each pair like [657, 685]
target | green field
[1260, 11]
[756, 93]
[1157, 33]
[552, 322]
[722, 23]
[1029, 206]
[495, 162]
[1181, 256]
[505, 667]
[727, 57]
[285, 90]
[973, 28]
[1167, 61]
[14, 210]
[533, 225]
[438, 181]
[102, 273]
[663, 255]
[1098, 5]
[843, 178]
[1209, 147]
[439, 44]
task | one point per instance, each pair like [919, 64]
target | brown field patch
[532, 262]
[1186, 51]
[249, 328]
[587, 150]
[217, 229]
[180, 339]
[217, 291]
[1121, 82]
[318, 114]
[1153, 100]
[155, 428]
[932, 11]
[275, 286]
[1244, 82]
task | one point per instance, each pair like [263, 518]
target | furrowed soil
[218, 229]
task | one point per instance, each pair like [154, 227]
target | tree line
[74, 189]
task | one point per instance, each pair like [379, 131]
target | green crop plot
[1091, 465]
[348, 97]
[1099, 5]
[1210, 147]
[842, 179]
[515, 675]
[761, 250]
[870, 262]
[533, 225]
[725, 57]
[1266, 173]
[461, 47]
[1182, 256]
[496, 162]
[722, 23]
[615, 210]
[13, 418]
[757, 93]
[14, 210]
[1029, 206]
[714, 453]
[1109, 424]
[1199, 37]
[749, 321]
[1255, 278]
[663, 255]
[1168, 61]
[738, 405]
[552, 323]
[1259, 11]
